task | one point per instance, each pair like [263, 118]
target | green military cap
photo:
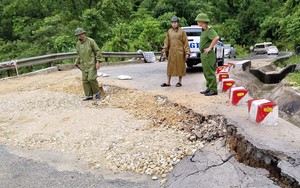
[174, 19]
[79, 31]
[202, 18]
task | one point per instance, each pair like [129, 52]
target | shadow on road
[194, 70]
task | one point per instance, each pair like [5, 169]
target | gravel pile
[129, 131]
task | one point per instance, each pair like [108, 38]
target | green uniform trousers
[90, 83]
[209, 69]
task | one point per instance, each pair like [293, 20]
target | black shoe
[210, 93]
[165, 85]
[178, 84]
[87, 98]
[203, 92]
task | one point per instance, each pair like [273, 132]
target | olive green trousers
[208, 64]
[90, 83]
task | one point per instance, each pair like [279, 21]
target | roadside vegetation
[241, 51]
[294, 77]
[36, 27]
[295, 59]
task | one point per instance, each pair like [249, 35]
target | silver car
[227, 48]
[272, 50]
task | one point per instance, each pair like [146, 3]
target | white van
[193, 33]
[262, 48]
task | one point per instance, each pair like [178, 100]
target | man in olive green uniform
[90, 59]
[208, 40]
[177, 46]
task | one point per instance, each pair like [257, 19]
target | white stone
[124, 77]
[154, 178]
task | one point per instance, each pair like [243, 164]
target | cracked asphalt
[214, 166]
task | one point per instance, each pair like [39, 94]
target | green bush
[294, 79]
[241, 51]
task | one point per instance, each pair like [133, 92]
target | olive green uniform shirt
[206, 38]
[208, 60]
[88, 52]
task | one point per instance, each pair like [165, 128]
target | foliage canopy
[37, 27]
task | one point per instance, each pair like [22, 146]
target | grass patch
[294, 79]
[241, 51]
[295, 59]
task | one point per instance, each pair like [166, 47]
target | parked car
[227, 48]
[232, 52]
[272, 50]
[262, 48]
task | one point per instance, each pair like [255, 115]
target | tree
[187, 9]
[293, 28]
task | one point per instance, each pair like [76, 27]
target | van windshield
[227, 46]
[192, 31]
[260, 46]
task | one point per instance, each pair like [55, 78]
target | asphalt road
[21, 172]
[149, 76]
[17, 171]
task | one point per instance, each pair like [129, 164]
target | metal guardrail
[36, 60]
[15, 64]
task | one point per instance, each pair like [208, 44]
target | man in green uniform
[208, 40]
[90, 59]
[177, 46]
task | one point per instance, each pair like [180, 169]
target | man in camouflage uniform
[89, 59]
[208, 40]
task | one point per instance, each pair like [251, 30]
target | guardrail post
[8, 73]
[106, 60]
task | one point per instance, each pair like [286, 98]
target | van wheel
[190, 65]
[221, 62]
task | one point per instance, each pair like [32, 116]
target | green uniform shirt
[208, 60]
[206, 38]
[88, 52]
